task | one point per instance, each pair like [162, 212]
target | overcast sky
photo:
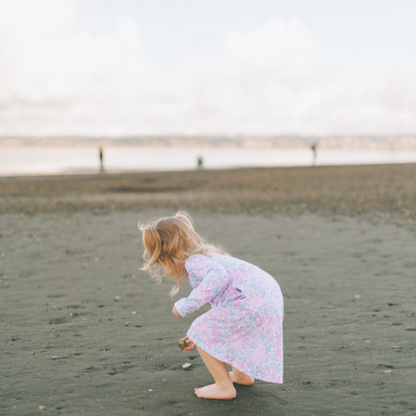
[114, 67]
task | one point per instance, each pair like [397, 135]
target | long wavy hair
[168, 242]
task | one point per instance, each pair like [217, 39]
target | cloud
[398, 91]
[67, 62]
[57, 77]
[261, 77]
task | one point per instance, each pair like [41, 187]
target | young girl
[243, 327]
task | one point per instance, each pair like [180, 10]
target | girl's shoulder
[198, 262]
[196, 259]
[192, 257]
[204, 257]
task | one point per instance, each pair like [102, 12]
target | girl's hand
[176, 313]
[189, 344]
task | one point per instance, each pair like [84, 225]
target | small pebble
[181, 344]
[54, 357]
[134, 313]
[386, 371]
[42, 407]
[186, 366]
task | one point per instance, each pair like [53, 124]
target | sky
[252, 67]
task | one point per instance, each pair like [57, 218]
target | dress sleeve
[213, 279]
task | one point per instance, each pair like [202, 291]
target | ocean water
[74, 160]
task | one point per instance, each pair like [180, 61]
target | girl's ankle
[225, 385]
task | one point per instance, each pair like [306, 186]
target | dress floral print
[244, 327]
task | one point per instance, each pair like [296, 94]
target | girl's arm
[214, 280]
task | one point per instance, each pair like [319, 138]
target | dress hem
[236, 367]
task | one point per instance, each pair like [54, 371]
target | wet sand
[83, 331]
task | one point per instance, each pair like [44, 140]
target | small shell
[181, 344]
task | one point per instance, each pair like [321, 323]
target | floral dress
[244, 326]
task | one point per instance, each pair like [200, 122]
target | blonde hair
[168, 242]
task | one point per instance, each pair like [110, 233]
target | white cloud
[260, 78]
[398, 91]
[58, 78]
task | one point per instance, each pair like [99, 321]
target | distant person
[200, 162]
[314, 146]
[101, 159]
[243, 328]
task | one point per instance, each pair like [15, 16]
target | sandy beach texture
[84, 332]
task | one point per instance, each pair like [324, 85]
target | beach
[85, 332]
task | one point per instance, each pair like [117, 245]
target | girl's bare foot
[213, 391]
[240, 378]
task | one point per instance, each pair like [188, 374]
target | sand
[85, 332]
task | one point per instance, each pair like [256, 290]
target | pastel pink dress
[244, 326]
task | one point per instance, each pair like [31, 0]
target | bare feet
[213, 391]
[240, 378]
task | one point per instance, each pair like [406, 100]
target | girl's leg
[241, 378]
[223, 387]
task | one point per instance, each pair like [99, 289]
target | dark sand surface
[84, 332]
[374, 192]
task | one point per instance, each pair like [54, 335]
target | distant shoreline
[398, 141]
[22, 161]
[85, 173]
